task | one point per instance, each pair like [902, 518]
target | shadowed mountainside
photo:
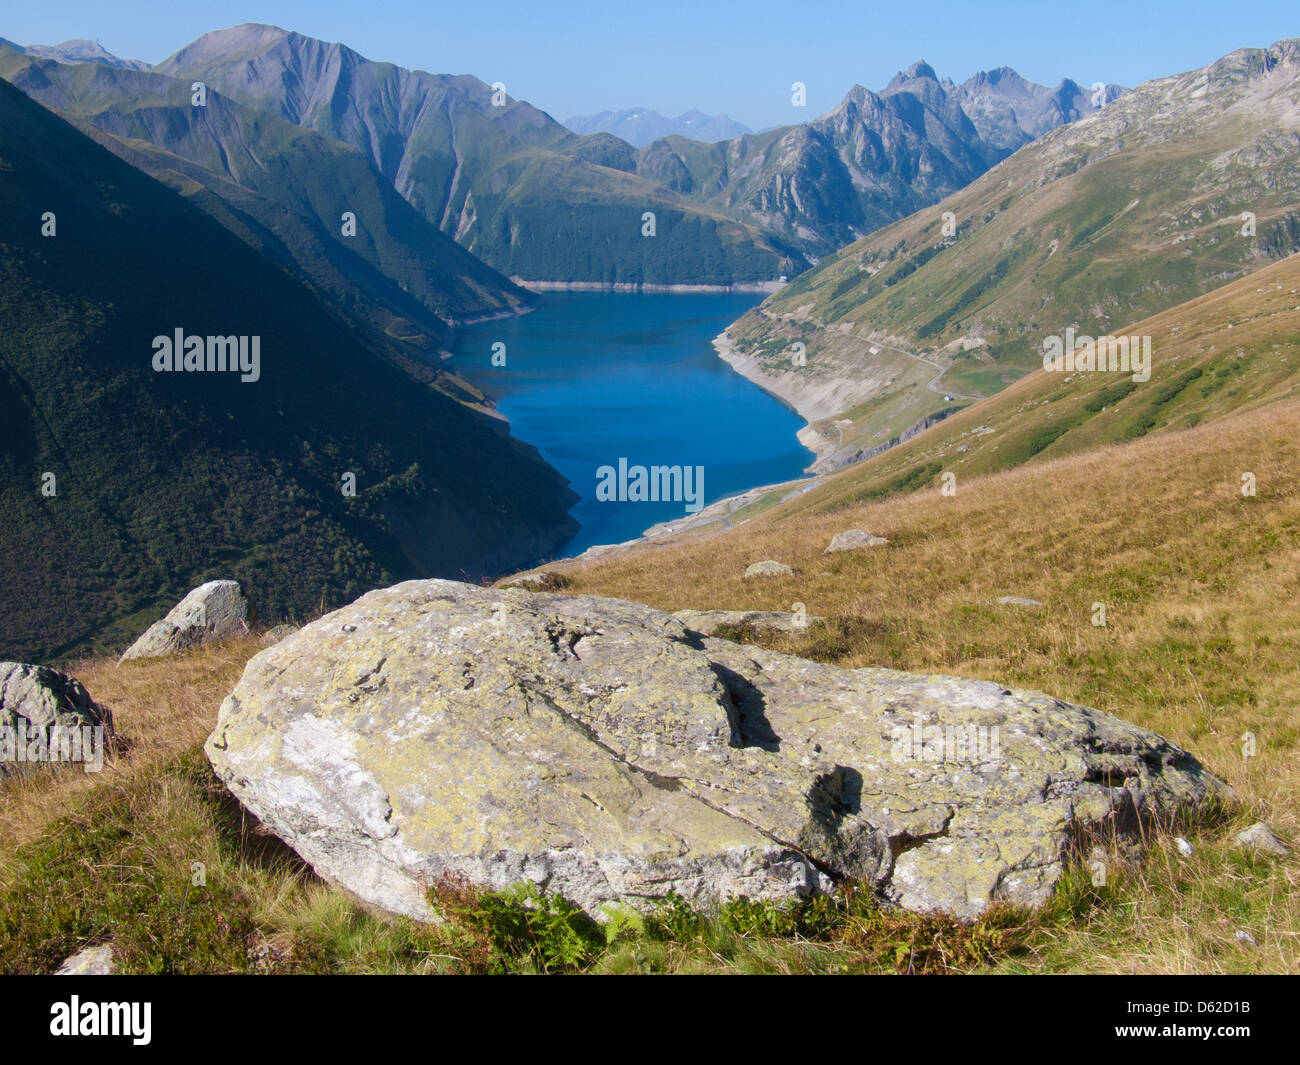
[124, 487]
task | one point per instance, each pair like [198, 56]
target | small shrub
[526, 927]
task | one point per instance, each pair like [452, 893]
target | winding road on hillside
[931, 384]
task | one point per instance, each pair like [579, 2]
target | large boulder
[601, 750]
[211, 611]
[47, 716]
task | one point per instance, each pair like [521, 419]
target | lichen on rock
[602, 750]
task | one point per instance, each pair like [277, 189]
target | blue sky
[580, 57]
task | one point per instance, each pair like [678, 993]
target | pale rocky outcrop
[852, 539]
[89, 961]
[1260, 836]
[277, 633]
[211, 611]
[34, 697]
[707, 622]
[601, 750]
[769, 568]
[544, 581]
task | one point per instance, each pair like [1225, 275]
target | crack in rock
[600, 748]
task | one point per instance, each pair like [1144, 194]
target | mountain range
[640, 126]
[281, 188]
[502, 178]
[1167, 192]
[875, 158]
[322, 472]
[77, 51]
[1062, 214]
[539, 202]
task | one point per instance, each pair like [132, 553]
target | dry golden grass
[160, 706]
[1201, 642]
[1244, 338]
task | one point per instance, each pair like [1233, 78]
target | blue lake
[592, 378]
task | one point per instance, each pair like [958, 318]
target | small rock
[89, 961]
[210, 612]
[1018, 600]
[768, 568]
[1260, 836]
[275, 635]
[37, 698]
[545, 581]
[1243, 936]
[853, 538]
[707, 622]
[1184, 848]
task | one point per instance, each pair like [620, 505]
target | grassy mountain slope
[1082, 493]
[1232, 350]
[283, 189]
[166, 479]
[1201, 638]
[1133, 209]
[509, 183]
[94, 858]
[1235, 349]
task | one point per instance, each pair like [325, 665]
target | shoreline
[517, 311]
[749, 368]
[639, 286]
[718, 513]
[792, 390]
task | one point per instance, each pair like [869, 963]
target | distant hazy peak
[78, 51]
[640, 126]
[1010, 110]
[996, 76]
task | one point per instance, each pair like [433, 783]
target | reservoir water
[591, 378]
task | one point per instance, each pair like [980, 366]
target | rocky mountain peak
[918, 71]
